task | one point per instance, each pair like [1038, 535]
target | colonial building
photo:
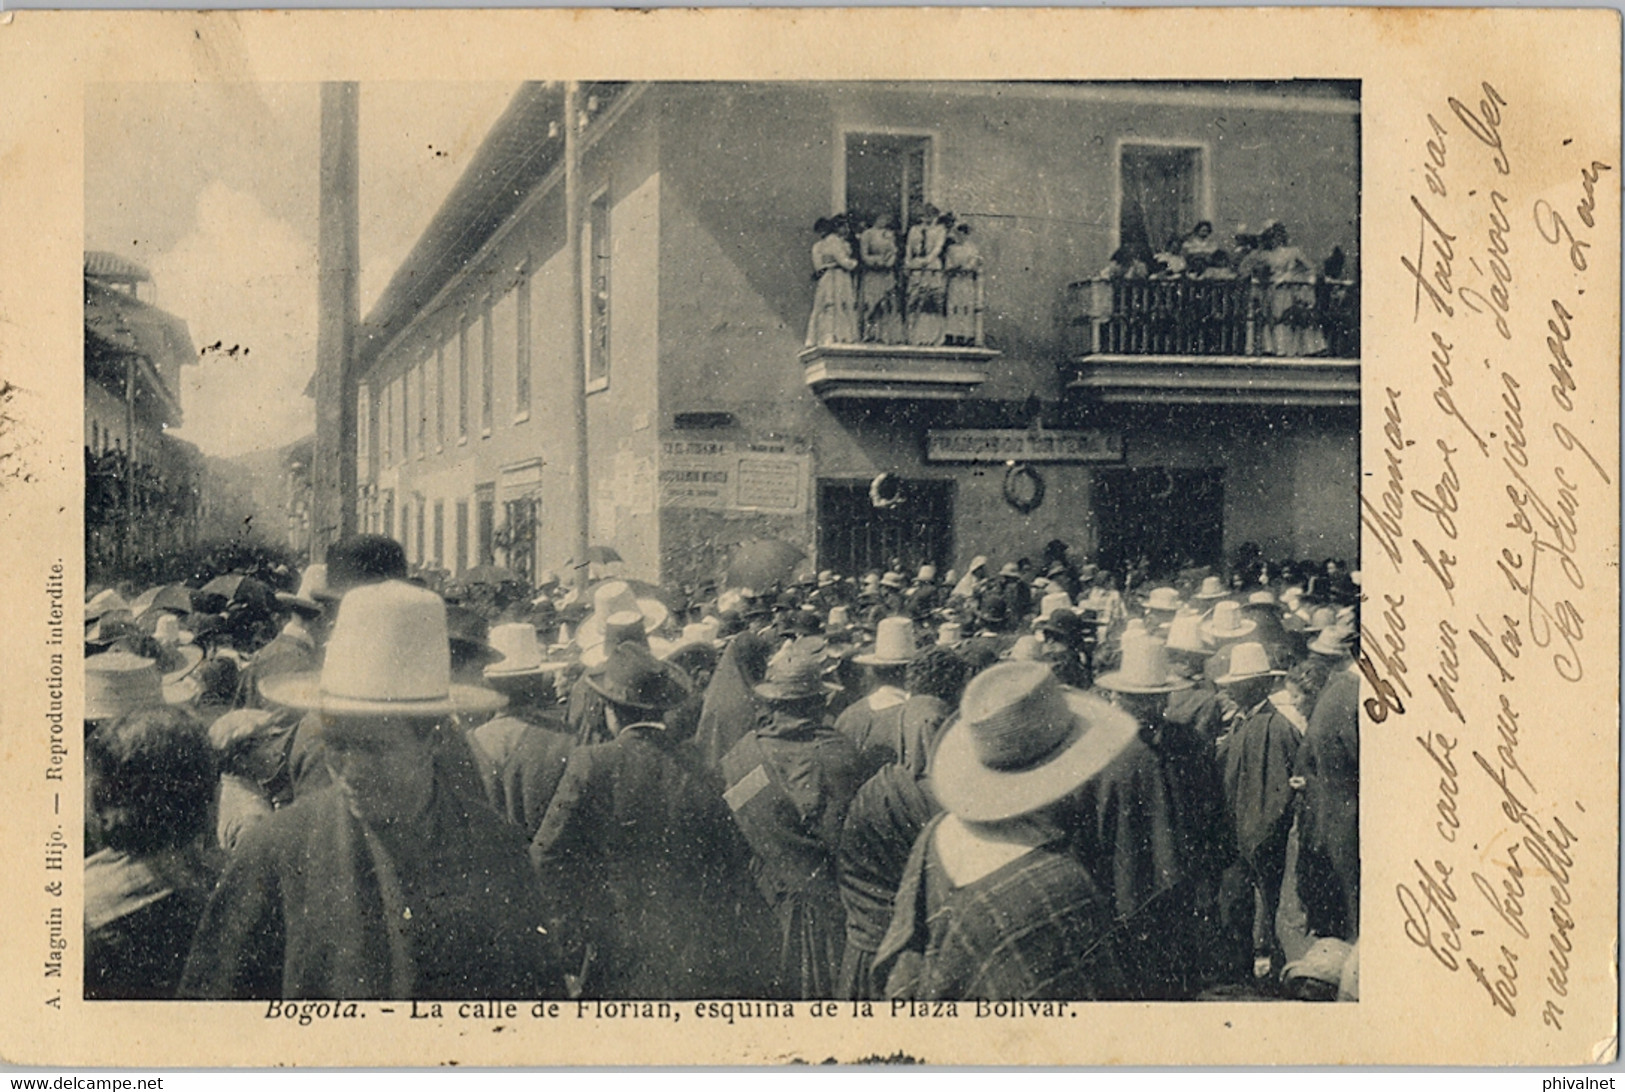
[141, 485]
[1177, 417]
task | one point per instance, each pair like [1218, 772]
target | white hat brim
[869, 659]
[1115, 680]
[547, 667]
[303, 690]
[1247, 626]
[1227, 680]
[972, 791]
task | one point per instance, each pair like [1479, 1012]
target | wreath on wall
[1023, 488]
[885, 491]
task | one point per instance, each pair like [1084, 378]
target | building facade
[1164, 417]
[142, 486]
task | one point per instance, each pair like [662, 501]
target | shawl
[1258, 759]
[730, 708]
[140, 913]
[1035, 928]
[1329, 812]
[318, 904]
[882, 824]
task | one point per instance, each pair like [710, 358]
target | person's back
[1033, 927]
[882, 823]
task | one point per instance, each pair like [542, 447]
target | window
[596, 260]
[420, 373]
[521, 360]
[1161, 194]
[460, 515]
[462, 380]
[854, 536]
[439, 534]
[485, 513]
[406, 415]
[417, 530]
[487, 370]
[439, 396]
[389, 515]
[389, 424]
[887, 173]
[367, 417]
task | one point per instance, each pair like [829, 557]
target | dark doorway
[1160, 195]
[854, 536]
[1172, 517]
[485, 506]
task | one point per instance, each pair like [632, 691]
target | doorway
[854, 536]
[1172, 517]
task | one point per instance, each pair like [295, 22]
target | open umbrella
[491, 574]
[762, 562]
[602, 555]
[170, 597]
[239, 588]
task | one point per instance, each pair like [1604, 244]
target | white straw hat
[521, 652]
[1054, 601]
[1247, 661]
[894, 643]
[1163, 599]
[1227, 622]
[1022, 741]
[617, 597]
[1144, 670]
[1185, 633]
[389, 654]
[1212, 588]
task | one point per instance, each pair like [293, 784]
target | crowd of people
[877, 285]
[1029, 781]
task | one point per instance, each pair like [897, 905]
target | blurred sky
[213, 187]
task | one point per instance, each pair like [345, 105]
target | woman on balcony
[1291, 327]
[963, 265]
[878, 301]
[835, 305]
[927, 238]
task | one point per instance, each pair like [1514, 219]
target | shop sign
[1000, 445]
[722, 475]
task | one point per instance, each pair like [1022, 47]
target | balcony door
[1161, 186]
[854, 536]
[886, 172]
[1172, 517]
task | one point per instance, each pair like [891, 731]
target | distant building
[141, 485]
[1170, 417]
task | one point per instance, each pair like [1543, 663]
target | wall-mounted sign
[999, 445]
[721, 474]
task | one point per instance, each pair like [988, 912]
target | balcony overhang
[1218, 380]
[895, 372]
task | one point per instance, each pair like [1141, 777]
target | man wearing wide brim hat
[120, 681]
[789, 781]
[616, 597]
[385, 883]
[638, 845]
[992, 904]
[887, 662]
[1258, 759]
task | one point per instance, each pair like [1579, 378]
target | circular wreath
[1023, 488]
[885, 491]
[1161, 487]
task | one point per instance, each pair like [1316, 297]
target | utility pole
[573, 119]
[338, 244]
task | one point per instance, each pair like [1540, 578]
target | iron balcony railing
[1194, 317]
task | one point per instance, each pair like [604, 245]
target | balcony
[912, 372]
[1185, 340]
[918, 338]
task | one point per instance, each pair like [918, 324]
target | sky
[213, 187]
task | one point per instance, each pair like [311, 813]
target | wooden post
[338, 243]
[574, 329]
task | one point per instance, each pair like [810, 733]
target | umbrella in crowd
[602, 555]
[762, 562]
[238, 588]
[170, 597]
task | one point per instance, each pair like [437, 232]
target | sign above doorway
[1001, 445]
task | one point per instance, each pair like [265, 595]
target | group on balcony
[874, 286]
[1262, 298]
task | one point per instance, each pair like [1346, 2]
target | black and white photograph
[773, 542]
